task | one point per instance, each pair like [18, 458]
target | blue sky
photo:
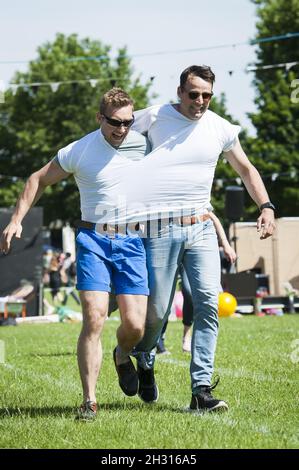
[145, 27]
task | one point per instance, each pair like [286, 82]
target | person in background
[55, 281]
[69, 268]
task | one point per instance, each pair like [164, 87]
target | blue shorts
[103, 262]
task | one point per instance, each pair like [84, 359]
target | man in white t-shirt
[187, 140]
[106, 253]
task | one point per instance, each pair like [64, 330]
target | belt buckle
[110, 230]
[185, 220]
[106, 229]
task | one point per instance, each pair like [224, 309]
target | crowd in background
[59, 274]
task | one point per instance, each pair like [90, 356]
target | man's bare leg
[133, 312]
[89, 350]
[131, 330]
[187, 338]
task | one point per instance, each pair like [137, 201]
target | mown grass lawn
[256, 359]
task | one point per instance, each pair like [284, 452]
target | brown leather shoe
[87, 411]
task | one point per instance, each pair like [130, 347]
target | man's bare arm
[255, 187]
[33, 190]
[228, 251]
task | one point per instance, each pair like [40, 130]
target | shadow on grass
[70, 411]
[37, 355]
[140, 406]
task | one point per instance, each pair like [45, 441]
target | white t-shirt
[176, 177]
[98, 169]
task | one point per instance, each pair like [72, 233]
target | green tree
[36, 121]
[275, 148]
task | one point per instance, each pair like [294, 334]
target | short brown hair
[202, 71]
[116, 98]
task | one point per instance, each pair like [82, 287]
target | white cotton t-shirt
[119, 185]
[99, 169]
[176, 177]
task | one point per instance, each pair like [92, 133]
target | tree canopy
[275, 148]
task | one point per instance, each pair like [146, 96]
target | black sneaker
[148, 390]
[203, 401]
[127, 376]
[160, 349]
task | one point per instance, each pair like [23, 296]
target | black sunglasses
[117, 123]
[193, 95]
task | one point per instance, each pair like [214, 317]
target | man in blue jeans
[189, 138]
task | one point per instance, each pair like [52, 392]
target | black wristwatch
[267, 205]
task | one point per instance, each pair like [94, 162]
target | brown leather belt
[192, 219]
[154, 227]
[184, 220]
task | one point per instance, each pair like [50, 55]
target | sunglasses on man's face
[193, 95]
[117, 123]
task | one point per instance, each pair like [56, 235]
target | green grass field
[40, 390]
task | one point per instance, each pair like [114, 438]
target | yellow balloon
[227, 304]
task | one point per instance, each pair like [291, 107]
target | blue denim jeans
[196, 247]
